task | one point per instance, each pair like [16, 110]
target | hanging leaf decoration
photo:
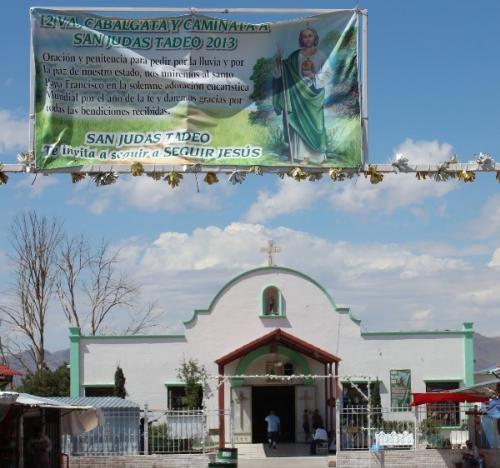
[236, 177]
[336, 174]
[298, 174]
[155, 175]
[211, 178]
[466, 176]
[3, 176]
[104, 178]
[256, 170]
[375, 176]
[174, 179]
[137, 169]
[422, 175]
[77, 177]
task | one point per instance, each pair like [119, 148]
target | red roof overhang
[280, 337]
[444, 397]
[4, 370]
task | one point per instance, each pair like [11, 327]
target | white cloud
[390, 286]
[422, 314]
[495, 259]
[397, 191]
[487, 225]
[147, 194]
[290, 197]
[13, 132]
[34, 186]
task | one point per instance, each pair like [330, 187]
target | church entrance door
[279, 399]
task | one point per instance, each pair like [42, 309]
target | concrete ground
[283, 462]
[284, 456]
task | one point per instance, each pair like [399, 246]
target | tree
[376, 404]
[34, 241]
[119, 388]
[95, 276]
[73, 259]
[45, 382]
[195, 377]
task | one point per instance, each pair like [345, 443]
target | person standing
[306, 426]
[273, 429]
[39, 445]
[317, 420]
[320, 436]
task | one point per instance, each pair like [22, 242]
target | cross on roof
[270, 249]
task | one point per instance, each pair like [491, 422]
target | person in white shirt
[273, 429]
[320, 435]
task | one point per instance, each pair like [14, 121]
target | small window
[99, 391]
[272, 302]
[445, 414]
[177, 397]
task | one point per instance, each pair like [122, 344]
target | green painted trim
[297, 359]
[414, 333]
[272, 316]
[468, 353]
[281, 313]
[340, 310]
[74, 361]
[131, 337]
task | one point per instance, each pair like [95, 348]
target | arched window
[272, 302]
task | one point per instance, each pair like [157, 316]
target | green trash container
[226, 457]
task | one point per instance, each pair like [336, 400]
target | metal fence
[168, 431]
[426, 426]
[183, 431]
[119, 435]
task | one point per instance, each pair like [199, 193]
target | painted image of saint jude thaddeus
[298, 94]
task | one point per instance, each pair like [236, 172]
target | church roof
[281, 337]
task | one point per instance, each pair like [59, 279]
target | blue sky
[403, 254]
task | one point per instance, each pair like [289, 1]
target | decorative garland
[450, 169]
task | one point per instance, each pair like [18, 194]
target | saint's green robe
[304, 103]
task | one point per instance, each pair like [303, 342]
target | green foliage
[398, 426]
[376, 404]
[119, 388]
[262, 90]
[429, 427]
[46, 382]
[194, 375]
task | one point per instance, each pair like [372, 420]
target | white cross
[270, 249]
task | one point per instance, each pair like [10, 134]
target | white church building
[267, 322]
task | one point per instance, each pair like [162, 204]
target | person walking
[273, 429]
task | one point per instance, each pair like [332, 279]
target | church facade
[274, 339]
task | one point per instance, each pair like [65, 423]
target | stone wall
[410, 458]
[141, 461]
